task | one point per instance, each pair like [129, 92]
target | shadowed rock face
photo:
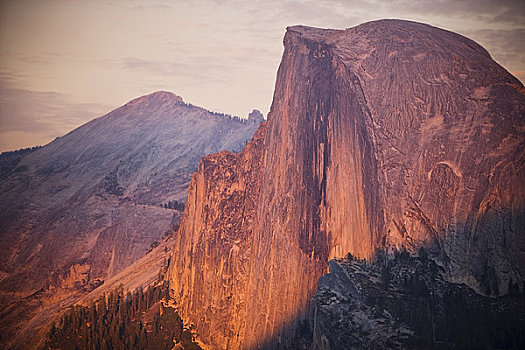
[390, 134]
[82, 208]
[403, 302]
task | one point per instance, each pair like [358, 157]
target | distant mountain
[389, 135]
[80, 209]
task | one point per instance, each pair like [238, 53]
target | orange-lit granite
[79, 210]
[387, 135]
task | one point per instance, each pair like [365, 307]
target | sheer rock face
[387, 135]
[85, 206]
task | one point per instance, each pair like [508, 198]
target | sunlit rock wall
[390, 135]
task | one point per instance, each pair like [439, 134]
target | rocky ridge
[389, 135]
[79, 210]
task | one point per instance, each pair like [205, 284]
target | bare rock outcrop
[391, 134]
[402, 301]
[79, 210]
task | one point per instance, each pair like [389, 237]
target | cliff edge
[388, 135]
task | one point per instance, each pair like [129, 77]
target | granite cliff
[390, 135]
[77, 211]
[403, 302]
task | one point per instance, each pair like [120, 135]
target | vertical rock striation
[390, 135]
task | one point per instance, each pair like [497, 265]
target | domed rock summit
[388, 136]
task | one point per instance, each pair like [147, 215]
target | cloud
[220, 54]
[29, 118]
[197, 68]
[117, 5]
[508, 11]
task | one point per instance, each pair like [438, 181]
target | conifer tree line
[173, 205]
[122, 320]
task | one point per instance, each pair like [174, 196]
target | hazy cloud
[220, 54]
[28, 118]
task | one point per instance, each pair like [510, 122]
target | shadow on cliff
[297, 333]
[489, 253]
[493, 313]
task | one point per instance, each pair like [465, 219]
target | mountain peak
[157, 98]
[385, 33]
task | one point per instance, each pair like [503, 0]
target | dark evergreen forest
[122, 320]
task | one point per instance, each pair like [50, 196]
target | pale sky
[65, 62]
